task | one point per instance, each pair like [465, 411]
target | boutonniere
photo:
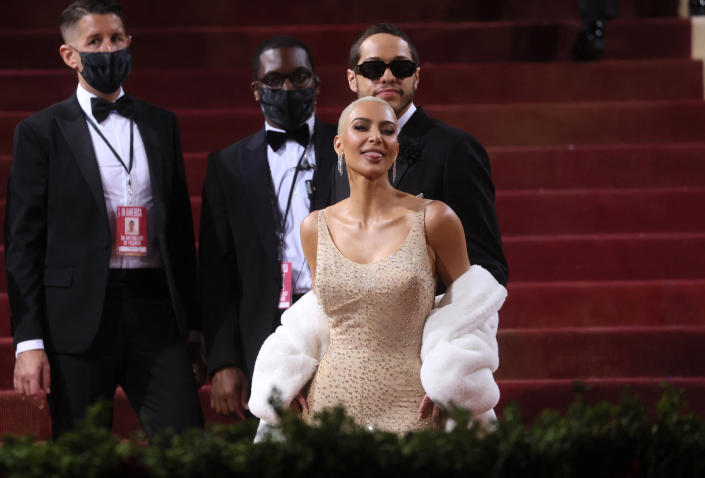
[410, 150]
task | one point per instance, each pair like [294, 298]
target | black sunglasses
[374, 69]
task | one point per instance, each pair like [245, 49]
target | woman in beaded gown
[374, 258]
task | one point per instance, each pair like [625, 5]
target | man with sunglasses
[255, 195]
[94, 306]
[435, 159]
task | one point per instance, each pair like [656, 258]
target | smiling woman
[375, 258]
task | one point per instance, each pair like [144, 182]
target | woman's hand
[427, 408]
[300, 404]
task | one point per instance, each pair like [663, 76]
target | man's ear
[255, 90]
[70, 57]
[417, 78]
[352, 81]
[317, 80]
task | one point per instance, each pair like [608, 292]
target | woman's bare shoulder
[441, 220]
[309, 227]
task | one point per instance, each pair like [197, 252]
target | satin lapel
[402, 168]
[151, 141]
[325, 159]
[258, 183]
[75, 130]
[415, 128]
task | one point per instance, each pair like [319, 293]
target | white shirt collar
[405, 117]
[310, 122]
[84, 100]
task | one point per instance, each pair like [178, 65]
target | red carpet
[599, 168]
[221, 88]
[219, 12]
[224, 46]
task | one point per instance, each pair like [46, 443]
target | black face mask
[105, 71]
[287, 109]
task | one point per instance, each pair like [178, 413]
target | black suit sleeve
[221, 287]
[25, 233]
[468, 190]
[181, 236]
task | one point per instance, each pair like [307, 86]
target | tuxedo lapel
[258, 183]
[74, 128]
[409, 140]
[402, 168]
[325, 159]
[151, 141]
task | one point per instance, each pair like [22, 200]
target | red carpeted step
[578, 353]
[497, 125]
[603, 304]
[568, 353]
[223, 47]
[19, 416]
[587, 211]
[565, 167]
[605, 257]
[16, 13]
[545, 124]
[7, 362]
[533, 396]
[579, 304]
[540, 124]
[491, 83]
[5, 329]
[650, 165]
[196, 165]
[594, 257]
[659, 165]
[663, 165]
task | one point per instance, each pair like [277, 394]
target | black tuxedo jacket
[57, 234]
[445, 163]
[239, 271]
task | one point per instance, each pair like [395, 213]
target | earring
[340, 164]
[394, 172]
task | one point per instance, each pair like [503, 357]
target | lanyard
[281, 219]
[128, 169]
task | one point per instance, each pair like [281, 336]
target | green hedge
[588, 440]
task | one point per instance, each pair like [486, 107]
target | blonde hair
[346, 112]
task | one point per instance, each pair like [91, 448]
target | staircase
[599, 168]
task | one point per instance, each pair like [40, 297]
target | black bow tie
[101, 108]
[276, 139]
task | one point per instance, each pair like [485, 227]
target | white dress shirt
[405, 117]
[116, 130]
[282, 164]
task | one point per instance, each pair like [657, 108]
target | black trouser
[137, 347]
[592, 10]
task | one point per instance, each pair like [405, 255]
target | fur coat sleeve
[289, 357]
[459, 348]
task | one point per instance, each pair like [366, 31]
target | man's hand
[229, 392]
[32, 376]
[198, 360]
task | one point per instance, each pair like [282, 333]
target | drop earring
[340, 164]
[394, 172]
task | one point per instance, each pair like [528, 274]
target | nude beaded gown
[377, 313]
